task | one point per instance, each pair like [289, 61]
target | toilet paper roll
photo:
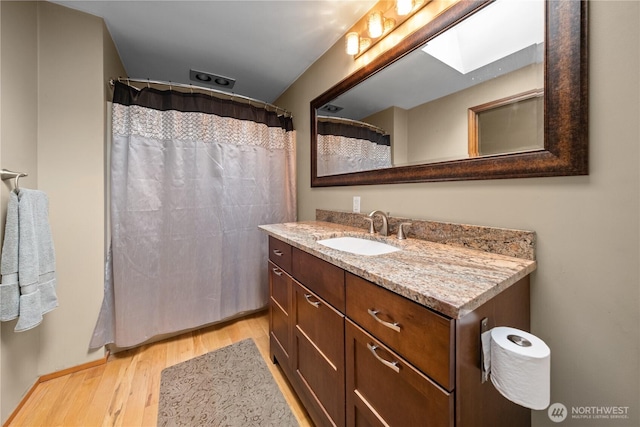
[521, 373]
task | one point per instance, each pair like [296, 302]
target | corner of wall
[18, 139]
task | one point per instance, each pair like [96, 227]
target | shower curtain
[349, 147]
[192, 177]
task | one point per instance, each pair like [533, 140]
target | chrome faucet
[384, 230]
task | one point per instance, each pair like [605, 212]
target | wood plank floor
[125, 390]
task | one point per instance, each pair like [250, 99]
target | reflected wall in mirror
[424, 92]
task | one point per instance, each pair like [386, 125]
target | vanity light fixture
[381, 20]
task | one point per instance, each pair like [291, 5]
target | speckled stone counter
[503, 241]
[450, 279]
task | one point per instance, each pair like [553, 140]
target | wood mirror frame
[565, 150]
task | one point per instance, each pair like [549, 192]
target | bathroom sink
[356, 245]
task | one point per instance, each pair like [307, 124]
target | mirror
[417, 113]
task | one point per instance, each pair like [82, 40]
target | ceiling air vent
[329, 108]
[211, 79]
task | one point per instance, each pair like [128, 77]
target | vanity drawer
[280, 253]
[318, 355]
[280, 286]
[385, 390]
[321, 277]
[420, 335]
[280, 306]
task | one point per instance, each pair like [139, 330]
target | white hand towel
[36, 260]
[9, 288]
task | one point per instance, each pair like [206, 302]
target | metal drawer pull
[277, 252]
[393, 365]
[374, 313]
[316, 304]
[277, 271]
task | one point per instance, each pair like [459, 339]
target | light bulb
[375, 24]
[352, 43]
[403, 7]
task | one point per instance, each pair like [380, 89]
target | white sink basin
[358, 246]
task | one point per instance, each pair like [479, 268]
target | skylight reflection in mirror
[468, 46]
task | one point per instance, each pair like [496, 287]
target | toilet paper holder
[516, 339]
[484, 327]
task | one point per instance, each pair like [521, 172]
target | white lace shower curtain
[191, 179]
[345, 147]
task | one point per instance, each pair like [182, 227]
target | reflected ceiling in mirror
[457, 63]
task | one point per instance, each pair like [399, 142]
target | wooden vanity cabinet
[360, 355]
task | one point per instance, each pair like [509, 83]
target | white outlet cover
[356, 204]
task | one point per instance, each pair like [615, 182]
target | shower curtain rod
[230, 95]
[355, 122]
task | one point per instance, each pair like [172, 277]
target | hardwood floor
[125, 390]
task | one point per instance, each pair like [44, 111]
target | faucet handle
[372, 228]
[401, 231]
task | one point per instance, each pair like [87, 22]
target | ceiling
[264, 45]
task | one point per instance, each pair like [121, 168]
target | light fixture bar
[380, 20]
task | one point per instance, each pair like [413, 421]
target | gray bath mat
[231, 386]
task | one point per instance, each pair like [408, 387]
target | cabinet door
[384, 390]
[280, 319]
[319, 356]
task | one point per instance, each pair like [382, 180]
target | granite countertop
[448, 279]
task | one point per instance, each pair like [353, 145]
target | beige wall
[438, 129]
[18, 152]
[55, 64]
[585, 293]
[394, 120]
